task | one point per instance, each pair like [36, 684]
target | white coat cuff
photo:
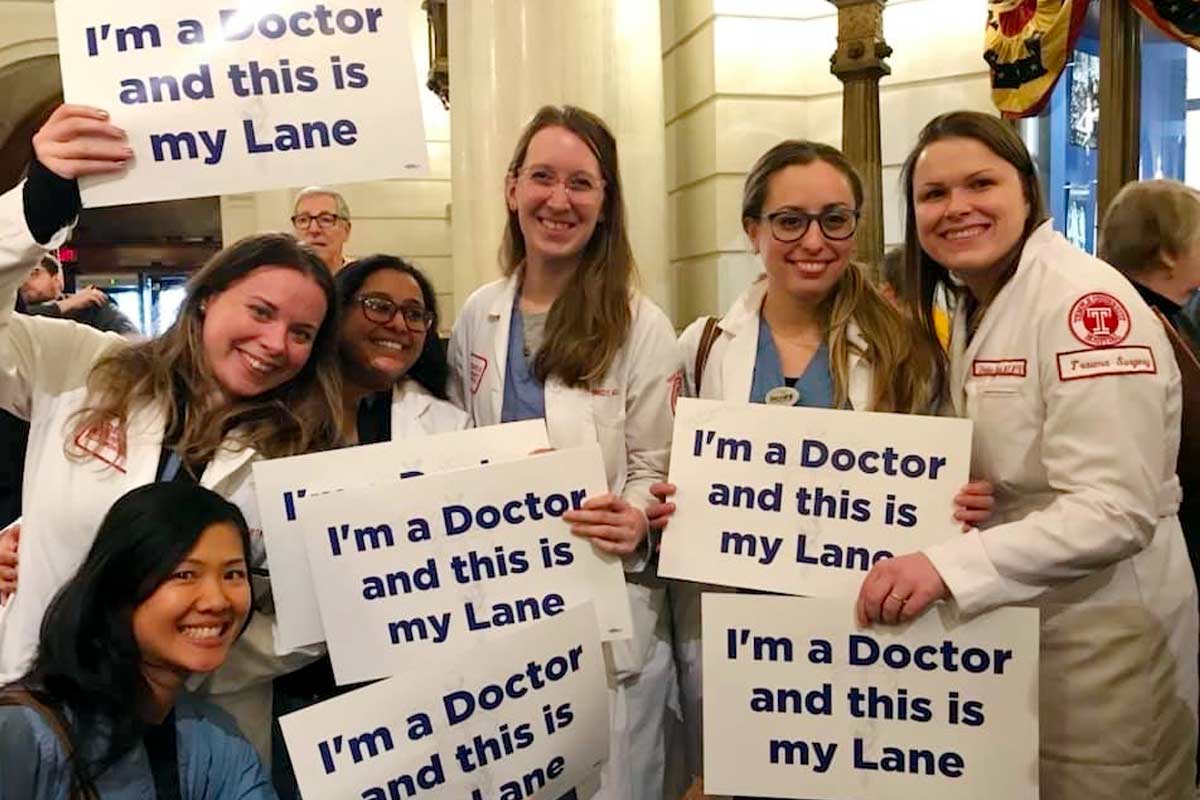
[639, 559]
[968, 573]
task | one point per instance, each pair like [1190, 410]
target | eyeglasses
[324, 220]
[577, 184]
[381, 310]
[789, 225]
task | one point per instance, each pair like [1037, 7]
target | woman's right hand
[10, 540]
[79, 140]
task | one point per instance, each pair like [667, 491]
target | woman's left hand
[974, 503]
[898, 590]
[612, 524]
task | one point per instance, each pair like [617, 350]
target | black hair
[431, 369]
[87, 668]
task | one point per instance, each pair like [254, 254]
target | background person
[1080, 444]
[321, 219]
[163, 593]
[43, 294]
[566, 337]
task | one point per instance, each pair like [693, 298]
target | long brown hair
[301, 415]
[922, 274]
[901, 364]
[591, 319]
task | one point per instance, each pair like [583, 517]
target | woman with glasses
[394, 376]
[811, 331]
[566, 337]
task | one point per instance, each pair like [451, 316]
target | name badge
[782, 396]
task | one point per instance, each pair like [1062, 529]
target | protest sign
[799, 702]
[282, 484]
[525, 718]
[240, 96]
[422, 569]
[805, 500]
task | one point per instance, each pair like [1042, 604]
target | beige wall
[406, 217]
[739, 75]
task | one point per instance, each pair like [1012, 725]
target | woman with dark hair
[247, 370]
[565, 336]
[162, 594]
[394, 369]
[1075, 395]
[394, 376]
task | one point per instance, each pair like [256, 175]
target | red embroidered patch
[103, 442]
[1099, 320]
[998, 368]
[479, 366]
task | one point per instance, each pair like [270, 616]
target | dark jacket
[105, 318]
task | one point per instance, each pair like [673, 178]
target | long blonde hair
[590, 320]
[902, 363]
[171, 371]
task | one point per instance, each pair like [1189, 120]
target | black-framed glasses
[789, 224]
[381, 310]
[325, 220]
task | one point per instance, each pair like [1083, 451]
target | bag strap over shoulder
[707, 339]
[24, 697]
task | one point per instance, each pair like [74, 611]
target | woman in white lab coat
[811, 331]
[1075, 396]
[394, 381]
[247, 370]
[566, 336]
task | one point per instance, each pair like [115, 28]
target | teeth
[966, 233]
[810, 266]
[257, 364]
[196, 632]
[390, 345]
[555, 225]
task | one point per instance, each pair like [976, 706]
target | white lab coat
[1084, 526]
[728, 375]
[631, 415]
[44, 365]
[415, 412]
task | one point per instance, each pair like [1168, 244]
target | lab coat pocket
[1003, 416]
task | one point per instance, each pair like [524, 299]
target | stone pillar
[859, 63]
[510, 57]
[1120, 100]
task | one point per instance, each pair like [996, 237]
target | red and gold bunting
[1027, 45]
[1179, 19]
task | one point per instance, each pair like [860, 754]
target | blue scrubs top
[524, 394]
[815, 386]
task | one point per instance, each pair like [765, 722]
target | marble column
[859, 62]
[510, 57]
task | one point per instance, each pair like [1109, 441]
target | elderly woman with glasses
[810, 331]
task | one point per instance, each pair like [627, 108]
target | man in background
[43, 295]
[321, 219]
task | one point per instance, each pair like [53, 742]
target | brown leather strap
[24, 697]
[707, 338]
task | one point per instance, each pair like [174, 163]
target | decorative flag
[1028, 43]
[1179, 19]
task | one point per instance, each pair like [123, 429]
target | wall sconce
[439, 47]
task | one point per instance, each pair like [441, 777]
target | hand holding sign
[78, 141]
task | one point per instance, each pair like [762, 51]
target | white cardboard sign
[525, 716]
[799, 702]
[282, 484]
[227, 96]
[419, 571]
[803, 500]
